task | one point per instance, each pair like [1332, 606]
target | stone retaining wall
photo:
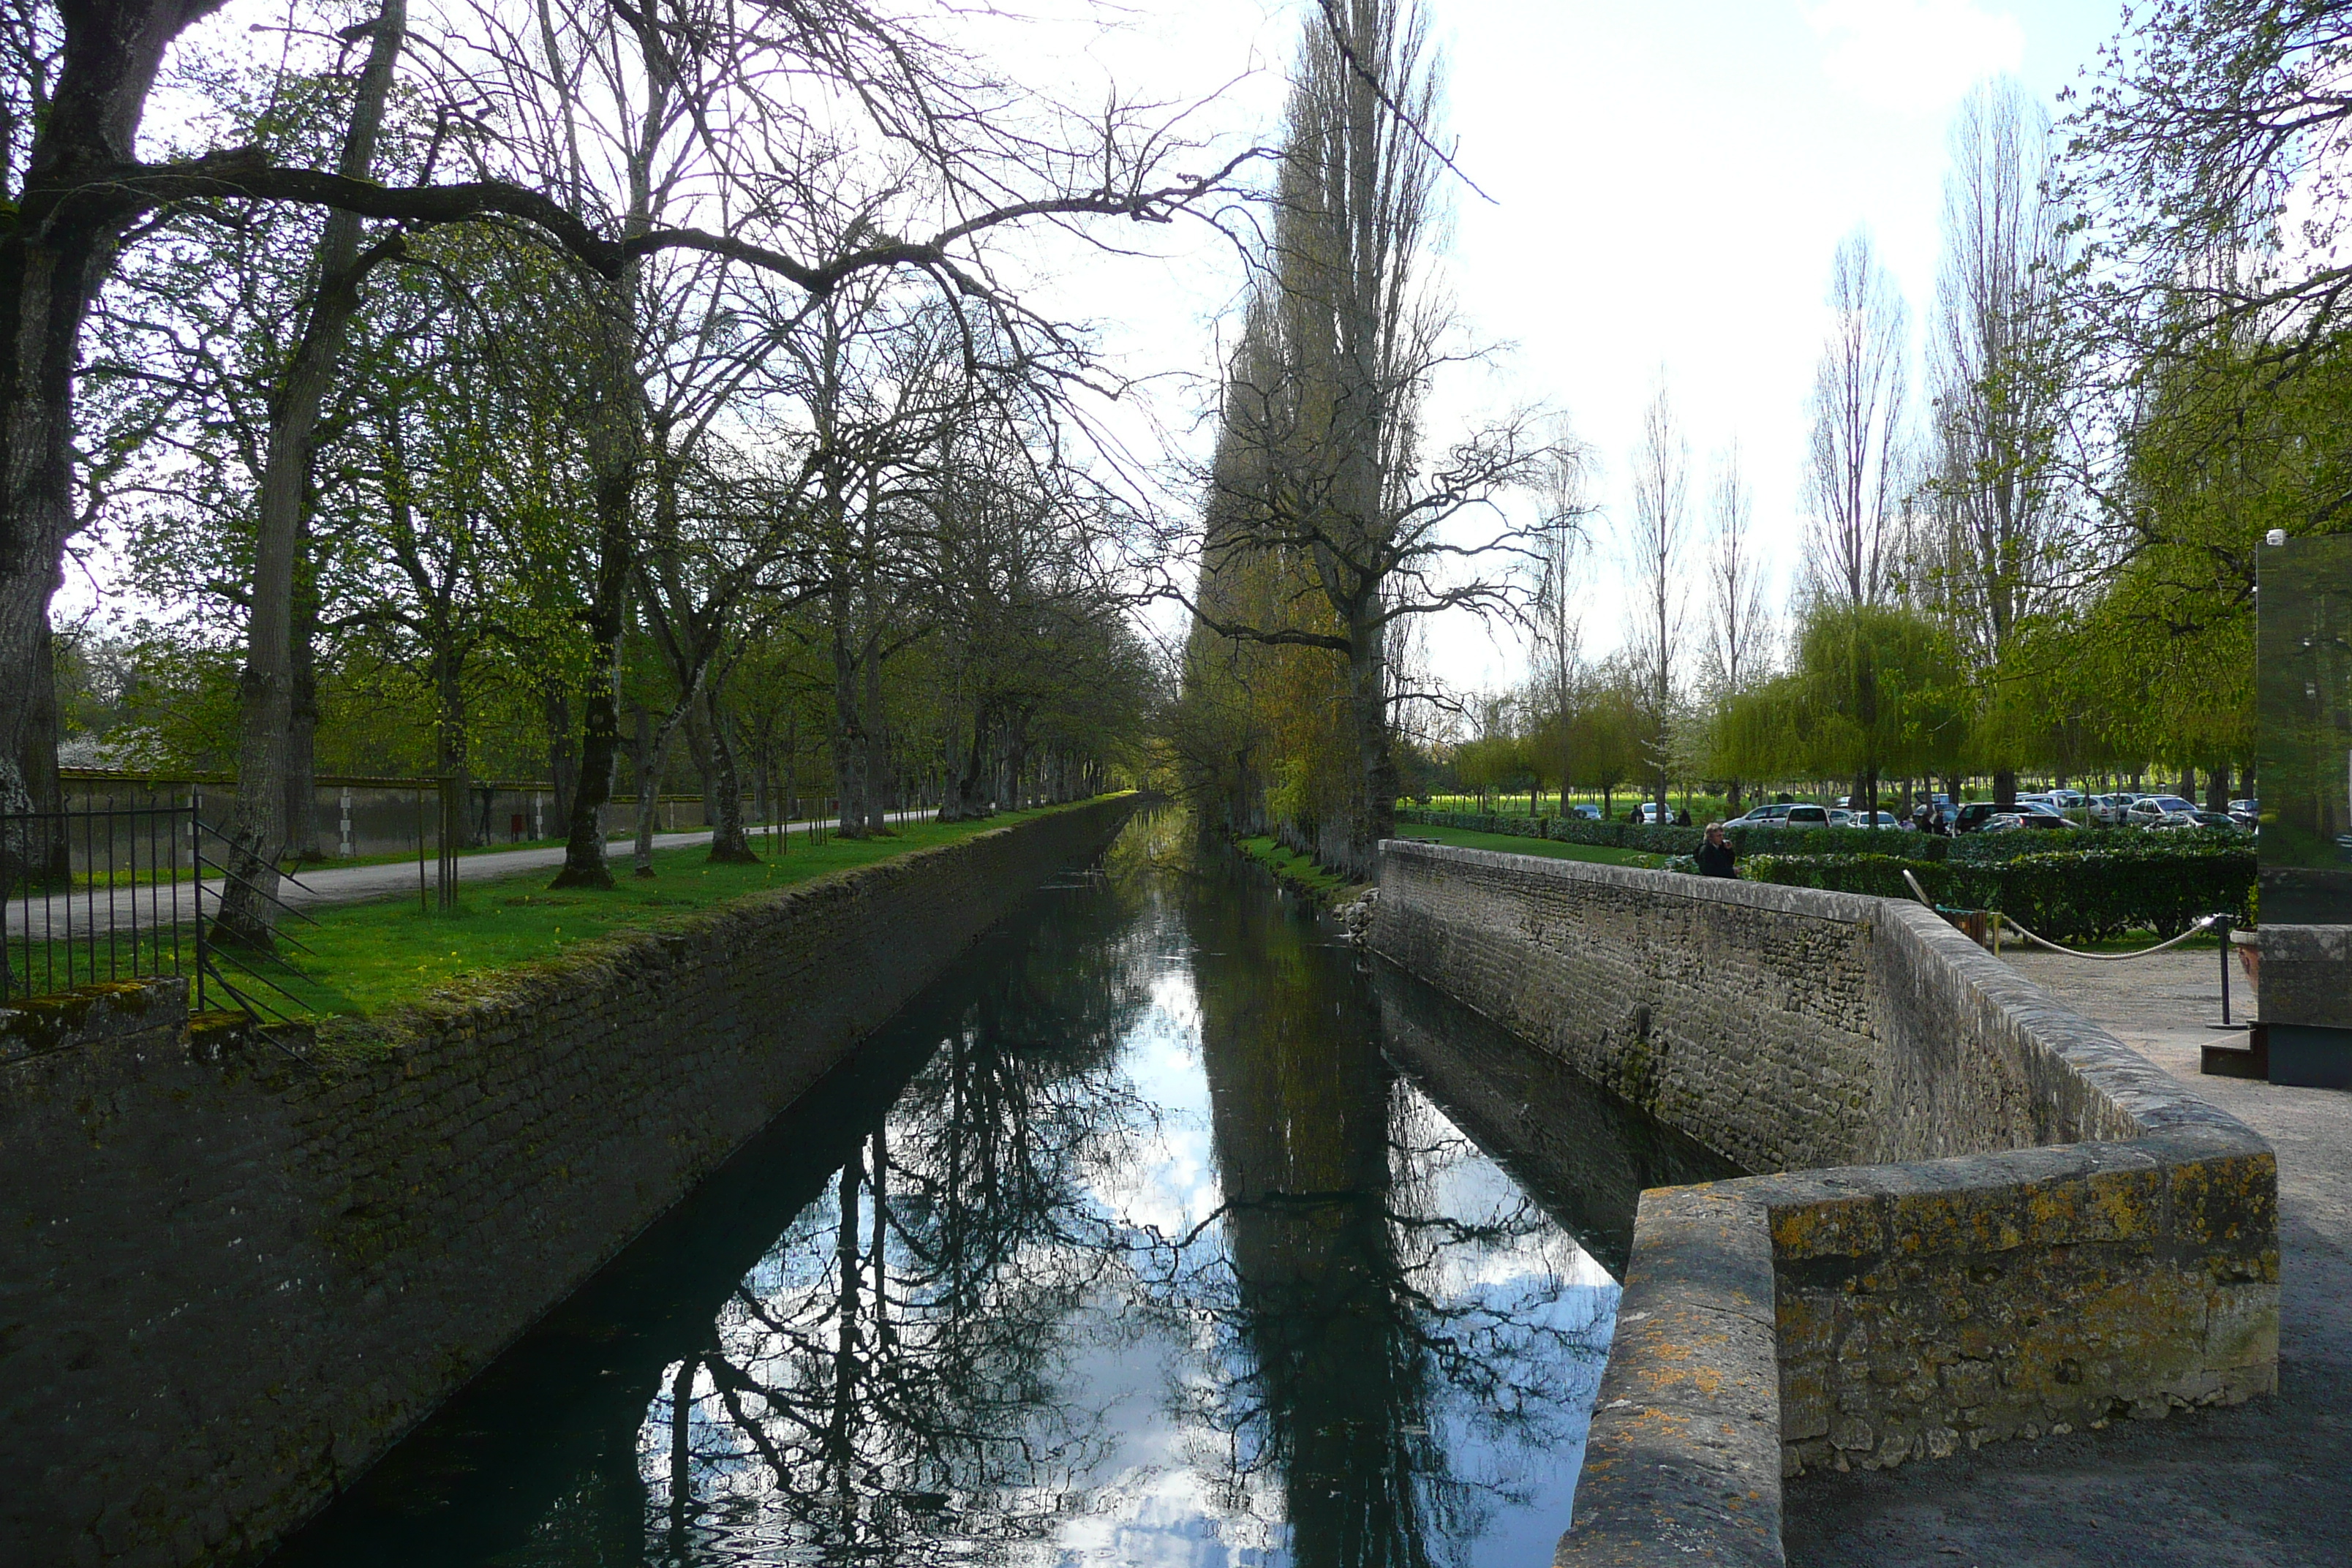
[1982, 1216]
[231, 1278]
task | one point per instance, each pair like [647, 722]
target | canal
[1166, 1229]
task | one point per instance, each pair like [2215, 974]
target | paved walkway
[79, 914]
[2267, 1484]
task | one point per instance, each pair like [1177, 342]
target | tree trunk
[2004, 788]
[449, 698]
[265, 686]
[302, 734]
[849, 751]
[1368, 712]
[964, 795]
[650, 775]
[615, 448]
[877, 740]
[729, 843]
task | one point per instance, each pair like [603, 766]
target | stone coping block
[1981, 1216]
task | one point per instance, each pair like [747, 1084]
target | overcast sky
[1668, 182]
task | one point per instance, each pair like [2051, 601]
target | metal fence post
[197, 871]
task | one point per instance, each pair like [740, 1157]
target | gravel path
[2267, 1484]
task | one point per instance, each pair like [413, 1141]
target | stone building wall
[231, 1277]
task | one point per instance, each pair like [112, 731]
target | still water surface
[1165, 1230]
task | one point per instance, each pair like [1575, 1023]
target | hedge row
[2068, 895]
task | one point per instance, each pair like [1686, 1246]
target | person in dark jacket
[1716, 857]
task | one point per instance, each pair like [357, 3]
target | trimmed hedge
[2074, 895]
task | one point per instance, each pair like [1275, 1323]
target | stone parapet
[1981, 1215]
[233, 1274]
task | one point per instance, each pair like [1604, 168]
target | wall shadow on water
[1162, 1223]
[1585, 1155]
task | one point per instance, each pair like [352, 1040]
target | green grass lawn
[1510, 844]
[363, 958]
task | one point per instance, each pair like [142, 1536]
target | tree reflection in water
[1388, 1306]
[1153, 1257]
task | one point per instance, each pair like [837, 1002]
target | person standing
[1716, 856]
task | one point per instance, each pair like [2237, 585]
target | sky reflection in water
[1154, 1258]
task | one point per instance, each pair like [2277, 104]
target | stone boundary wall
[231, 1278]
[1984, 1218]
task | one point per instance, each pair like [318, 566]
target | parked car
[2067, 799]
[2041, 813]
[2107, 810]
[1875, 819]
[1652, 816]
[2220, 820]
[2149, 810]
[1585, 810]
[1761, 817]
[1840, 816]
[2247, 814]
[1973, 815]
[1807, 816]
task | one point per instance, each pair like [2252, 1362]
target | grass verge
[1511, 844]
[1300, 873]
[363, 958]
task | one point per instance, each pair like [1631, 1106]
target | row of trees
[2049, 561]
[660, 379]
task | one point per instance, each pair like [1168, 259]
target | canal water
[1166, 1229]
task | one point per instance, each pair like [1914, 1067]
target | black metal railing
[125, 892]
[103, 893]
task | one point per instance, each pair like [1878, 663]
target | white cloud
[1915, 55]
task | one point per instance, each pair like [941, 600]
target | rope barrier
[2000, 920]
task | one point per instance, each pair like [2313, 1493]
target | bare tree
[1657, 544]
[1558, 549]
[769, 87]
[1998, 411]
[1858, 398]
[1737, 628]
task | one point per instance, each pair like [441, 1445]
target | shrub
[2163, 885]
[1881, 875]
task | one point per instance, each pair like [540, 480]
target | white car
[2154, 810]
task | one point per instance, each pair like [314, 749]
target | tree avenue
[690, 298]
[667, 400]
